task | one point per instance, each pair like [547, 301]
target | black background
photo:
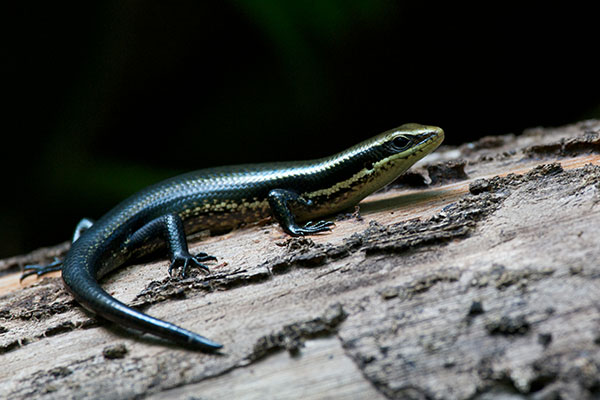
[107, 97]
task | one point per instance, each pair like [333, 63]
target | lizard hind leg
[40, 270]
[81, 227]
[169, 227]
[56, 265]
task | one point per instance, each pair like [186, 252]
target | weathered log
[474, 277]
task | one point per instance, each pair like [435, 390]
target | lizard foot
[40, 270]
[313, 227]
[185, 260]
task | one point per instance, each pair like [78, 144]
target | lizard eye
[400, 143]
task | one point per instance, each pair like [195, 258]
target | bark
[475, 276]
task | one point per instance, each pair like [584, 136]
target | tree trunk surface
[474, 276]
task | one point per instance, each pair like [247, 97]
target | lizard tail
[89, 294]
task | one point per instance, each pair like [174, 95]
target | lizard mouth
[436, 134]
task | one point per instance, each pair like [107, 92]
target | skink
[220, 199]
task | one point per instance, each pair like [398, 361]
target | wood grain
[485, 286]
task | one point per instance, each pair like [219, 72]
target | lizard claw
[40, 270]
[316, 227]
[186, 260]
[312, 227]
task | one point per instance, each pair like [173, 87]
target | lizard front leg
[279, 199]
